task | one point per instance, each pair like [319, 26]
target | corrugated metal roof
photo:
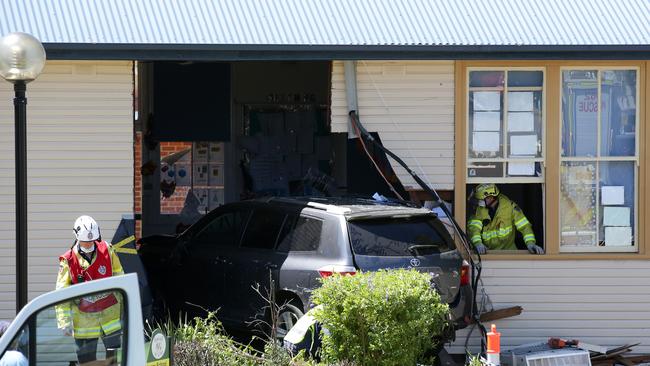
[332, 22]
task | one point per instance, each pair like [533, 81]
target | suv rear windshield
[403, 236]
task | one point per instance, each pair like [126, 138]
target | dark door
[254, 265]
[207, 265]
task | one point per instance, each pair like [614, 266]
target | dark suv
[216, 262]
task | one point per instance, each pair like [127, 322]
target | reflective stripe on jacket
[499, 232]
[84, 324]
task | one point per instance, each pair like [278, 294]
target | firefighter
[495, 220]
[91, 317]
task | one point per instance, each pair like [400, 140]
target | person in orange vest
[96, 316]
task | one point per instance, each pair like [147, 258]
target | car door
[206, 265]
[33, 337]
[253, 263]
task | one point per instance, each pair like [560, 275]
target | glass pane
[528, 169]
[392, 237]
[525, 78]
[224, 230]
[578, 203]
[485, 170]
[618, 113]
[525, 124]
[263, 229]
[486, 79]
[579, 112]
[616, 203]
[485, 124]
[81, 330]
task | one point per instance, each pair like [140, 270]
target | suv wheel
[287, 318]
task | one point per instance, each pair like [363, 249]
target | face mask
[89, 250]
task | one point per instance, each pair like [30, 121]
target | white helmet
[86, 229]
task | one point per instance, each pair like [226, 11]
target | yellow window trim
[552, 154]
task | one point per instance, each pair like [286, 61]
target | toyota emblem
[415, 262]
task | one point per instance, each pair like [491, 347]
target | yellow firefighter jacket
[499, 232]
[85, 324]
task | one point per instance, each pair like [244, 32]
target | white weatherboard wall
[80, 161]
[411, 105]
[599, 302]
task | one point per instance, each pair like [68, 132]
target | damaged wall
[411, 105]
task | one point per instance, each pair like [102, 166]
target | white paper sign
[523, 145]
[521, 122]
[616, 216]
[487, 101]
[520, 101]
[616, 236]
[487, 121]
[612, 195]
[485, 141]
[527, 169]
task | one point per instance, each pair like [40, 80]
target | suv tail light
[464, 274]
[327, 271]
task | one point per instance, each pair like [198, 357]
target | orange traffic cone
[493, 346]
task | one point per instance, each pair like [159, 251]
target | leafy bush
[390, 317]
[204, 342]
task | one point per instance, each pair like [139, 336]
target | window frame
[635, 159]
[552, 112]
[504, 134]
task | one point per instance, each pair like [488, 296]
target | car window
[394, 236]
[303, 235]
[55, 333]
[263, 229]
[223, 230]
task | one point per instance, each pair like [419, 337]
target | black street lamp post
[22, 58]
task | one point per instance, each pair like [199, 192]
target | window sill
[522, 255]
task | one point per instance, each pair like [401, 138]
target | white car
[33, 338]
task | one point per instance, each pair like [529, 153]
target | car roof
[350, 207]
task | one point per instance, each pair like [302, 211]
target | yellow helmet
[486, 190]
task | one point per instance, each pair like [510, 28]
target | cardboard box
[215, 174]
[215, 198]
[216, 153]
[618, 236]
[200, 152]
[202, 197]
[200, 173]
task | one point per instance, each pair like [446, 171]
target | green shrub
[390, 317]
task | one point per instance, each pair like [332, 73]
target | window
[599, 160]
[263, 229]
[583, 189]
[66, 334]
[224, 230]
[390, 237]
[506, 146]
[305, 236]
[505, 126]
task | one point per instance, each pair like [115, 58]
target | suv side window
[304, 236]
[224, 230]
[263, 229]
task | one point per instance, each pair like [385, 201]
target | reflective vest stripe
[93, 332]
[112, 326]
[501, 233]
[476, 223]
[521, 223]
[476, 239]
[529, 237]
